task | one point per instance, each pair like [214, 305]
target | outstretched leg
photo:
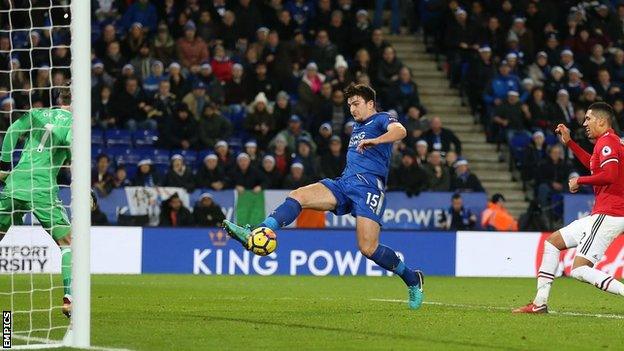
[368, 242]
[66, 272]
[583, 270]
[314, 196]
[546, 274]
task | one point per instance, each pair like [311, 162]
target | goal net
[38, 129]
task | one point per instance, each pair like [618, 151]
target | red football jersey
[610, 197]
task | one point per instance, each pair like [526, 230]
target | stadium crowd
[525, 66]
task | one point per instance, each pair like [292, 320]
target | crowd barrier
[134, 250]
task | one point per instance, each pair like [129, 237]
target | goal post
[81, 172]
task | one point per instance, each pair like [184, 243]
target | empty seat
[115, 137]
[145, 137]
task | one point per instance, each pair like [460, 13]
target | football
[262, 241]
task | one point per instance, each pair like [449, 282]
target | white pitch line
[48, 343]
[498, 308]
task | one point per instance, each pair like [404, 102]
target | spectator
[163, 46]
[179, 175]
[422, 150]
[342, 77]
[207, 28]
[540, 69]
[511, 117]
[408, 176]
[151, 83]
[552, 176]
[307, 158]
[333, 163]
[229, 31]
[416, 124]
[102, 110]
[360, 32]
[260, 122]
[164, 102]
[99, 77]
[282, 110]
[479, 73]
[98, 217]
[534, 219]
[213, 126]
[101, 177]
[309, 89]
[362, 64]
[605, 89]
[277, 55]
[140, 12]
[533, 153]
[403, 93]
[222, 149]
[174, 214]
[245, 177]
[113, 59]
[496, 217]
[497, 90]
[574, 85]
[387, 72]
[464, 180]
[323, 139]
[251, 149]
[108, 36]
[555, 82]
[273, 179]
[234, 89]
[134, 40]
[221, 64]
[120, 179]
[210, 175]
[281, 154]
[132, 107]
[540, 110]
[147, 175]
[589, 97]
[196, 100]
[179, 84]
[180, 131]
[296, 178]
[292, 133]
[192, 50]
[207, 213]
[260, 82]
[563, 110]
[459, 39]
[440, 139]
[458, 217]
[376, 48]
[437, 173]
[324, 52]
[142, 62]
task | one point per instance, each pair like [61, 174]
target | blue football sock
[386, 258]
[283, 215]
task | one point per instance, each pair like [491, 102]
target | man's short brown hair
[362, 90]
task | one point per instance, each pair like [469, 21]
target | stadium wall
[134, 250]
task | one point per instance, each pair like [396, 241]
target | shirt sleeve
[608, 151]
[385, 120]
[19, 127]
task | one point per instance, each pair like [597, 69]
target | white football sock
[546, 274]
[599, 279]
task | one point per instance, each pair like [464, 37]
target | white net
[35, 61]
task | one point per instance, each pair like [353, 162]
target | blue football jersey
[374, 160]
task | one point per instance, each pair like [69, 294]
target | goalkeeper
[30, 185]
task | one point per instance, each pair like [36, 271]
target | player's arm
[395, 132]
[13, 134]
[580, 154]
[609, 166]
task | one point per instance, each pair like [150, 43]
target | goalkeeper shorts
[51, 214]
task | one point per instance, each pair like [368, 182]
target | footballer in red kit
[593, 234]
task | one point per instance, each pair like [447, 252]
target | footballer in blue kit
[358, 191]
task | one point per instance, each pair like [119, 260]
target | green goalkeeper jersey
[47, 144]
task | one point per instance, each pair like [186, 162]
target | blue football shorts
[359, 195]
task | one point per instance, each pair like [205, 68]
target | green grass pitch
[183, 312]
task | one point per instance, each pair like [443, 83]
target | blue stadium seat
[129, 157]
[97, 137]
[115, 137]
[517, 145]
[131, 171]
[114, 152]
[145, 137]
[95, 151]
